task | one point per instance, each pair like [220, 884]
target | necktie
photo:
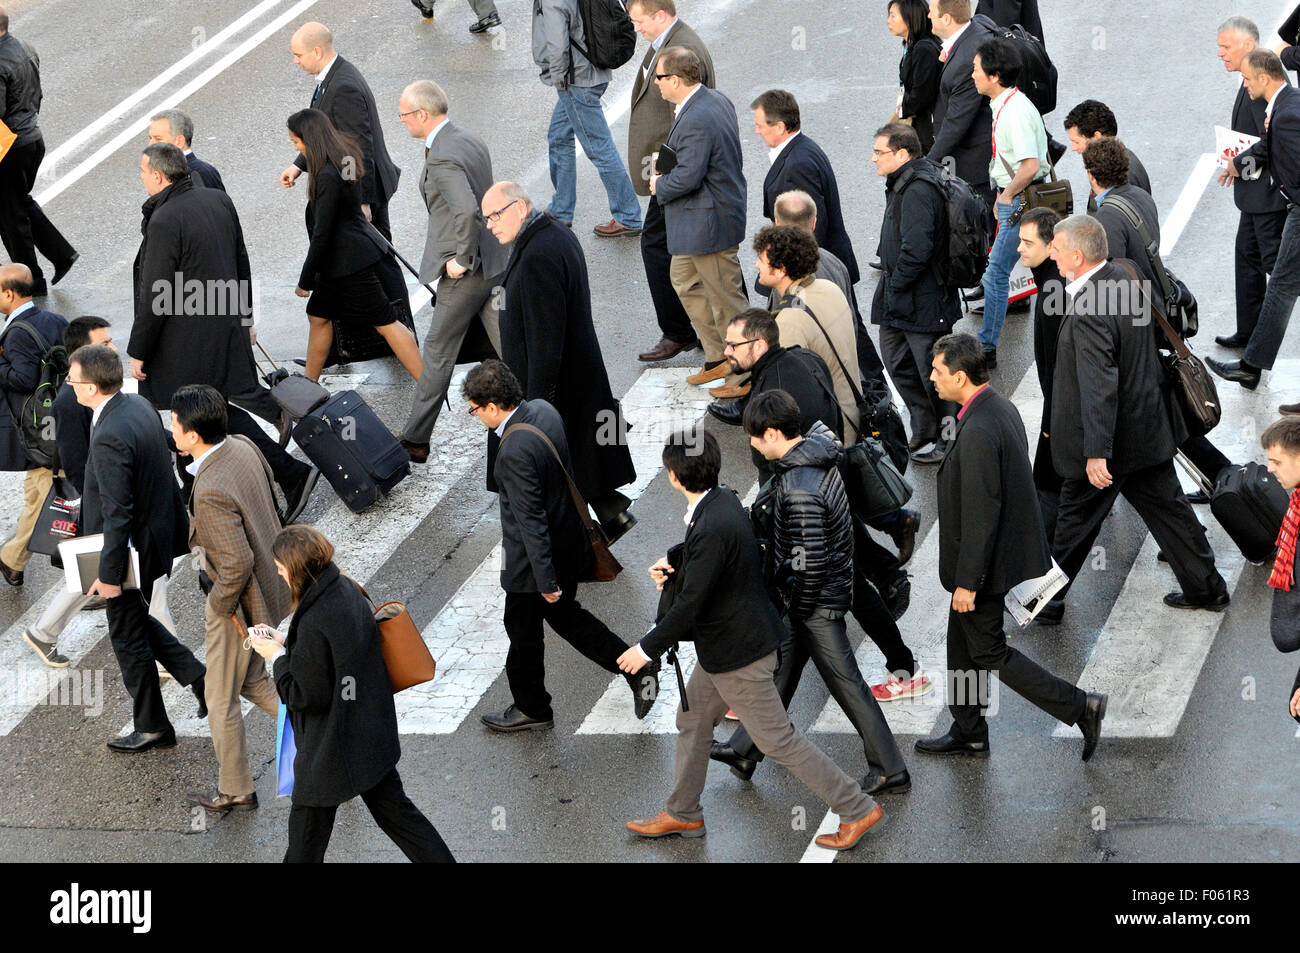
[316, 95]
[943, 56]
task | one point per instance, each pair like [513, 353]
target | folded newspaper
[1027, 599]
[1229, 144]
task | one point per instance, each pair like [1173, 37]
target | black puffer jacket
[814, 530]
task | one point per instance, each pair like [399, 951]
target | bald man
[20, 372]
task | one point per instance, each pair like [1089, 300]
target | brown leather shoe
[707, 375]
[12, 576]
[849, 834]
[663, 824]
[728, 391]
[614, 229]
[665, 349]
[418, 452]
[224, 802]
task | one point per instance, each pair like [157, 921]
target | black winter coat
[918, 73]
[333, 680]
[549, 341]
[1122, 239]
[913, 239]
[804, 376]
[20, 372]
[72, 423]
[20, 88]
[340, 237]
[814, 529]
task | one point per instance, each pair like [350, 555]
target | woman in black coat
[341, 271]
[331, 676]
[919, 69]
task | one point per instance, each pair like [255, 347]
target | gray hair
[179, 123]
[427, 95]
[1086, 235]
[795, 207]
[1241, 26]
[515, 193]
[167, 160]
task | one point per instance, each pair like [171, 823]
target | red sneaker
[896, 688]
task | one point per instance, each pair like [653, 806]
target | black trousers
[1259, 234]
[977, 647]
[1205, 456]
[138, 641]
[875, 567]
[907, 355]
[525, 661]
[287, 470]
[23, 225]
[1047, 482]
[1156, 495]
[310, 827]
[822, 638]
[673, 320]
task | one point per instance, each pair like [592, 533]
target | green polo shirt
[1018, 134]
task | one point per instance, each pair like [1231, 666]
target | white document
[1027, 599]
[1229, 145]
[81, 563]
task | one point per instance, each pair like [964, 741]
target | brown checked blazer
[233, 524]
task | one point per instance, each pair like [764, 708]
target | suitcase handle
[1199, 478]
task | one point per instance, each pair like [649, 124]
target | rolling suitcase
[1249, 503]
[297, 394]
[353, 449]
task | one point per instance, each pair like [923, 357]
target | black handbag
[1180, 303]
[59, 519]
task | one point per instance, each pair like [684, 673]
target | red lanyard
[994, 135]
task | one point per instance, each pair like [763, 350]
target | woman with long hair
[919, 69]
[331, 676]
[340, 273]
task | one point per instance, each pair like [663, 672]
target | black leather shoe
[1233, 371]
[221, 803]
[1052, 613]
[742, 768]
[1289, 410]
[991, 359]
[616, 528]
[489, 21]
[1178, 600]
[138, 741]
[918, 441]
[196, 687]
[12, 576]
[897, 596]
[1094, 710]
[418, 452]
[284, 429]
[905, 536]
[40, 289]
[974, 294]
[1232, 340]
[877, 784]
[876, 264]
[296, 496]
[947, 744]
[1055, 149]
[728, 412]
[512, 719]
[1161, 557]
[63, 269]
[645, 688]
[1198, 497]
[934, 455]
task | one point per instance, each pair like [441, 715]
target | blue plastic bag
[286, 749]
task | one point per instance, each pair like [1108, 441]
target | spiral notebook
[1027, 599]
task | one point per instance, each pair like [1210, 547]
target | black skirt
[357, 299]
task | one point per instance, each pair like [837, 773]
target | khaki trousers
[232, 671]
[712, 290]
[36, 486]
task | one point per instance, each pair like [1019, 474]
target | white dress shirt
[1075, 286]
[947, 44]
[775, 151]
[193, 466]
[433, 134]
[13, 315]
[501, 431]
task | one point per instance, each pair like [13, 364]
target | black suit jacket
[346, 98]
[1110, 394]
[1259, 194]
[722, 605]
[1011, 12]
[1122, 239]
[73, 435]
[1049, 308]
[963, 125]
[991, 533]
[544, 541]
[1280, 147]
[340, 237]
[803, 165]
[130, 494]
[206, 171]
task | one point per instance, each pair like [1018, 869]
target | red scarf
[1284, 565]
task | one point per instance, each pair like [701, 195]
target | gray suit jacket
[457, 171]
[652, 115]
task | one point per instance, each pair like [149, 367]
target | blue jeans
[997, 276]
[1279, 299]
[577, 112]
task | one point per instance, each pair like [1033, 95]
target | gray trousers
[751, 693]
[460, 301]
[482, 8]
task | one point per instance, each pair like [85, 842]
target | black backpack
[1038, 74]
[969, 236]
[35, 420]
[607, 28]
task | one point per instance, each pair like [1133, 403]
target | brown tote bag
[407, 656]
[604, 568]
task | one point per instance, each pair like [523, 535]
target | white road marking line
[1172, 227]
[467, 636]
[820, 855]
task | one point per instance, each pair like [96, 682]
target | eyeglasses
[474, 409]
[733, 345]
[411, 113]
[69, 380]
[494, 217]
[877, 153]
[659, 76]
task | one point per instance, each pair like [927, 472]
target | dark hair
[772, 408]
[492, 382]
[99, 366]
[758, 323]
[77, 333]
[959, 10]
[916, 14]
[322, 142]
[779, 106]
[789, 247]
[1044, 219]
[23, 287]
[696, 458]
[1107, 160]
[1091, 117]
[1268, 62]
[1284, 433]
[201, 409]
[167, 160]
[304, 552]
[963, 352]
[901, 136]
[683, 62]
[998, 57]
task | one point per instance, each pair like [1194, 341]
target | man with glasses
[460, 253]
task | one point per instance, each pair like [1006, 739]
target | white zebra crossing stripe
[467, 636]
